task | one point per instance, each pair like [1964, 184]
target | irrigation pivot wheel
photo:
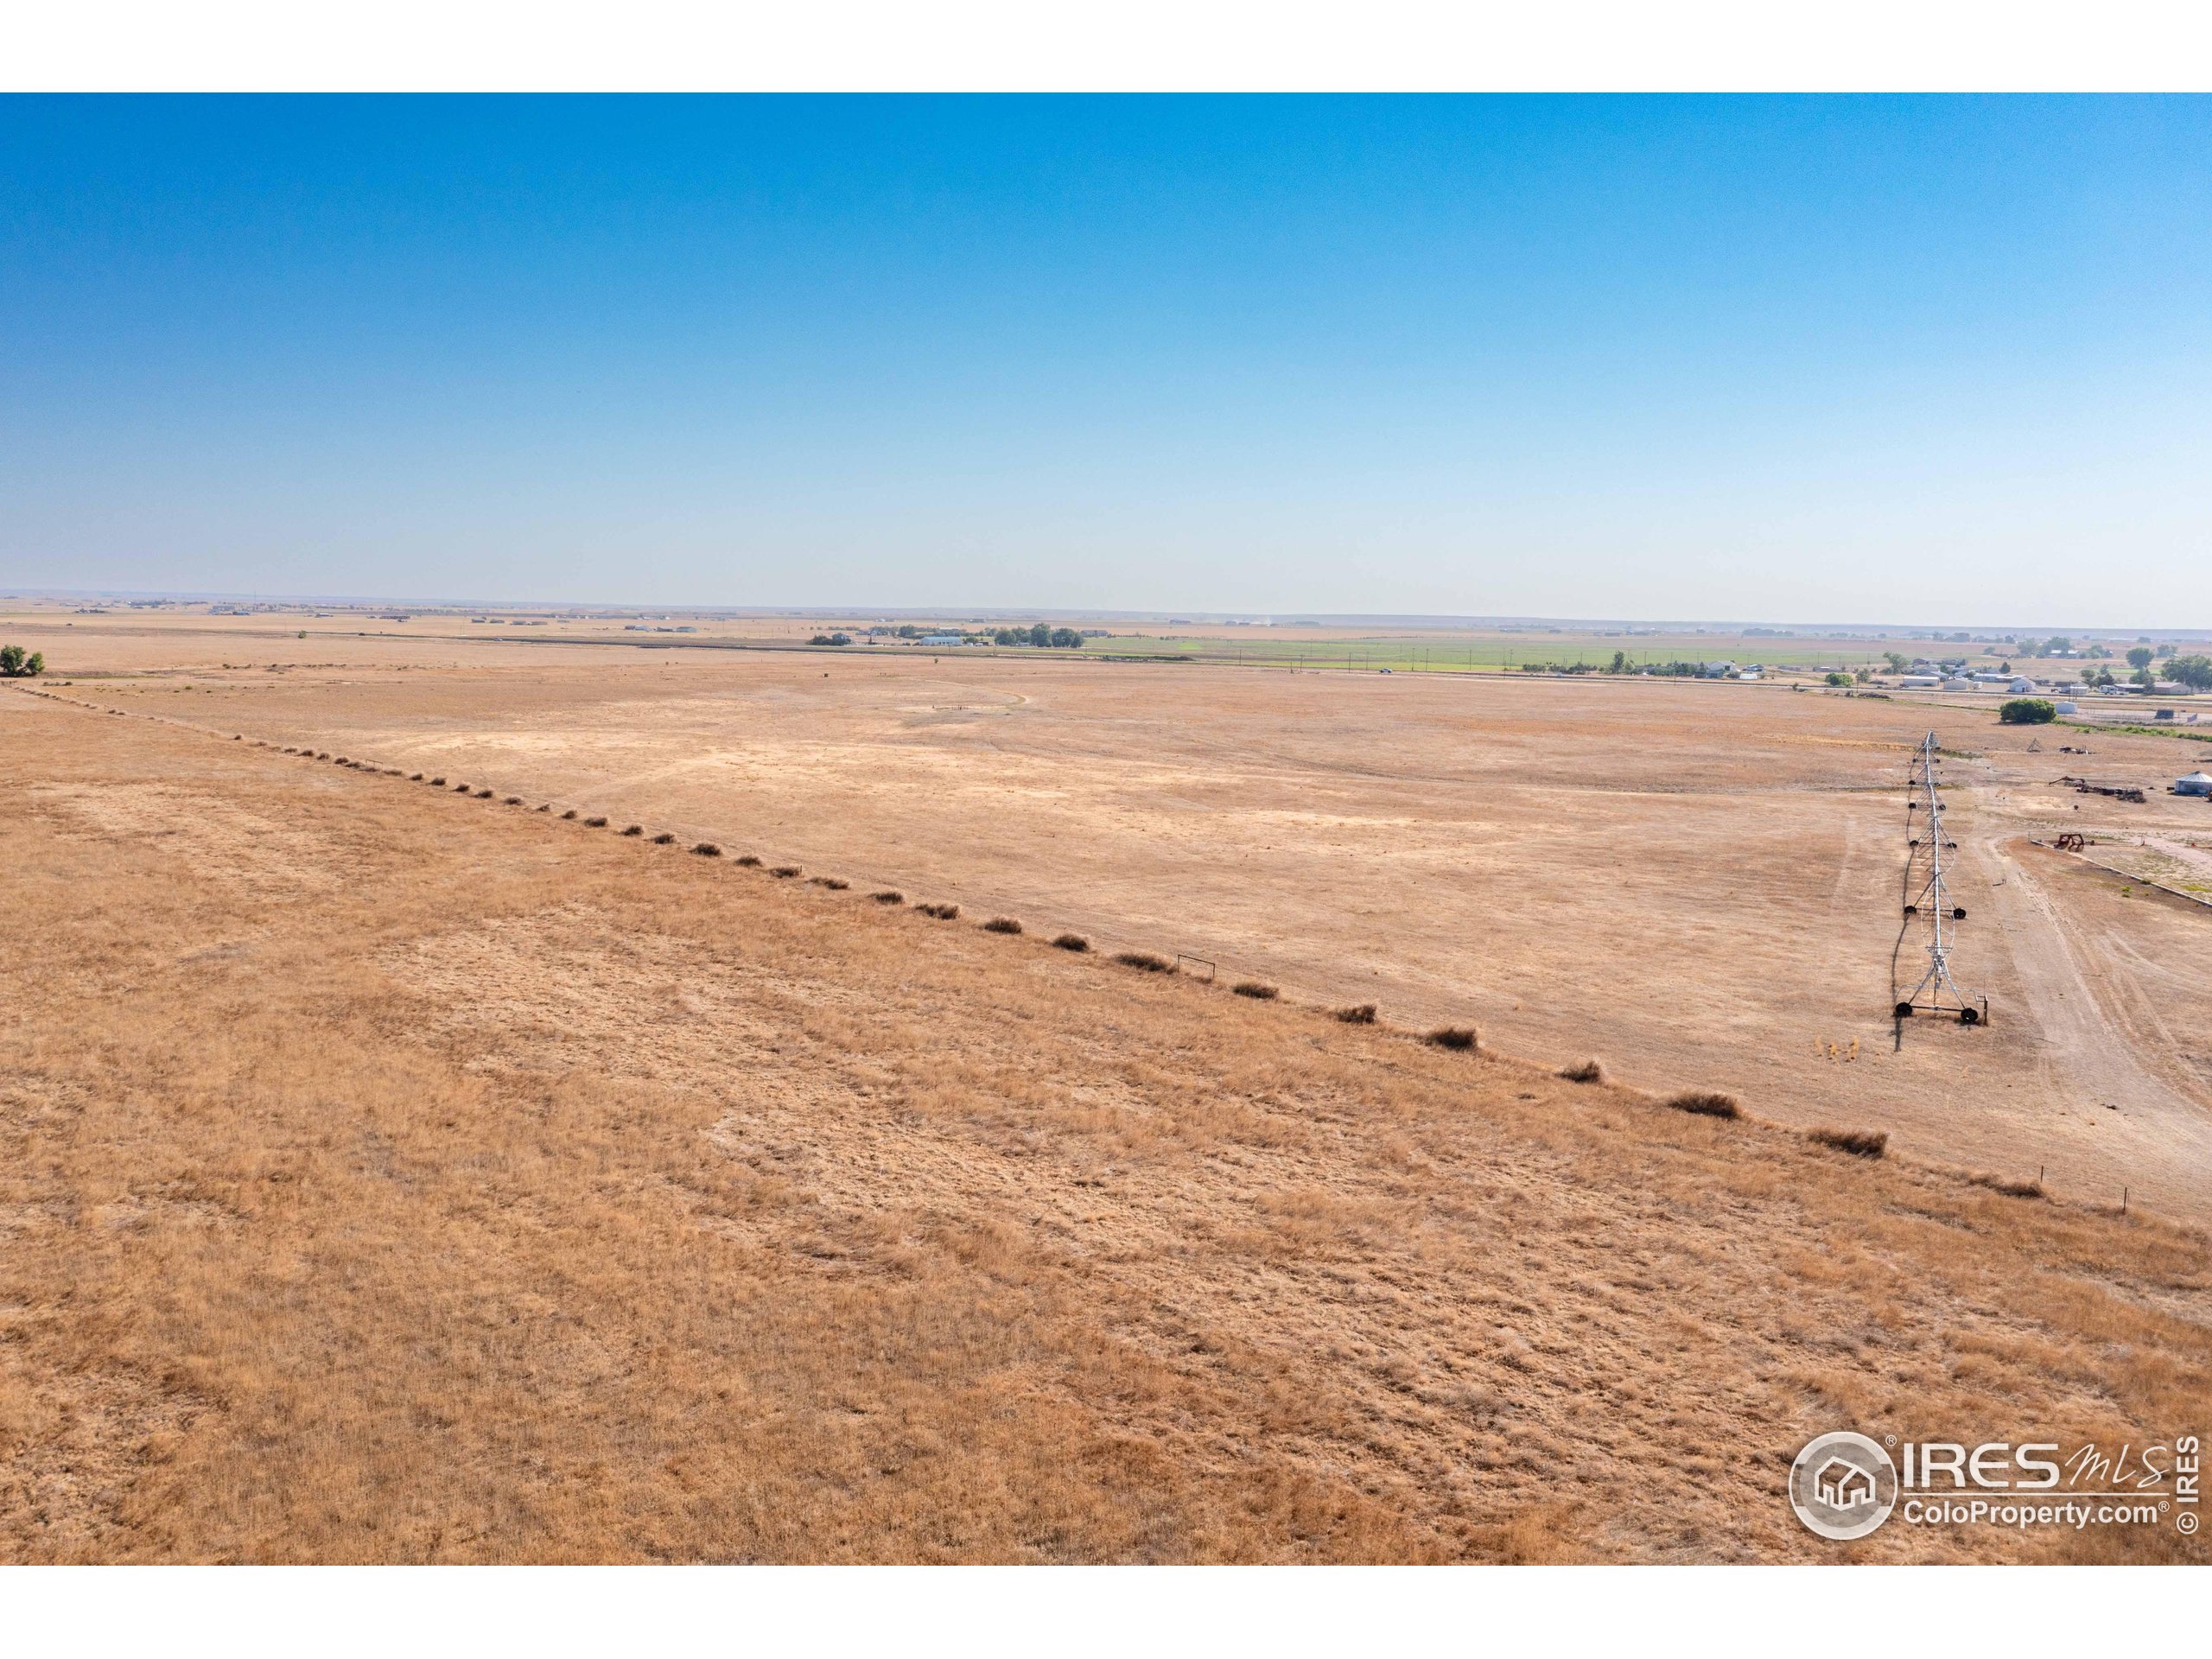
[1927, 902]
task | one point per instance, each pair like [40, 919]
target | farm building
[2197, 783]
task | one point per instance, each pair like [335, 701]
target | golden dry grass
[1700, 877]
[387, 1177]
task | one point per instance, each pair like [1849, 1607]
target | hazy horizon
[1192, 614]
[1743, 356]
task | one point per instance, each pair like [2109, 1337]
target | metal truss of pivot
[1929, 907]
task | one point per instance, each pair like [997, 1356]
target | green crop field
[1473, 653]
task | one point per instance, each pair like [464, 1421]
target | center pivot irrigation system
[1929, 908]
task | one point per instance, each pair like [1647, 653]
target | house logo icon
[1843, 1485]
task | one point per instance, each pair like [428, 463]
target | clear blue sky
[1901, 359]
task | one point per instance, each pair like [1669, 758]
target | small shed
[2197, 783]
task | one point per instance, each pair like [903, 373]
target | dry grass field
[1697, 880]
[399, 1174]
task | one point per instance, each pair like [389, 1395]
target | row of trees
[1041, 635]
[2139, 656]
[2194, 672]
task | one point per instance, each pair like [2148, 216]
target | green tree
[1839, 679]
[1620, 662]
[2027, 711]
[2194, 672]
[2139, 657]
[1041, 635]
[16, 665]
[1896, 660]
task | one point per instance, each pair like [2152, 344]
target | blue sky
[1902, 359]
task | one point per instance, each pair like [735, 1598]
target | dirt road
[2128, 1109]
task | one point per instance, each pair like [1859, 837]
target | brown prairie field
[398, 1174]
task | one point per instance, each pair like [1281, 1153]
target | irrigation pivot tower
[1928, 904]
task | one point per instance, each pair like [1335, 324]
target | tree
[1620, 663]
[2139, 657]
[1839, 679]
[1896, 660]
[2028, 711]
[2146, 678]
[2194, 672]
[15, 665]
[1041, 635]
[1066, 639]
